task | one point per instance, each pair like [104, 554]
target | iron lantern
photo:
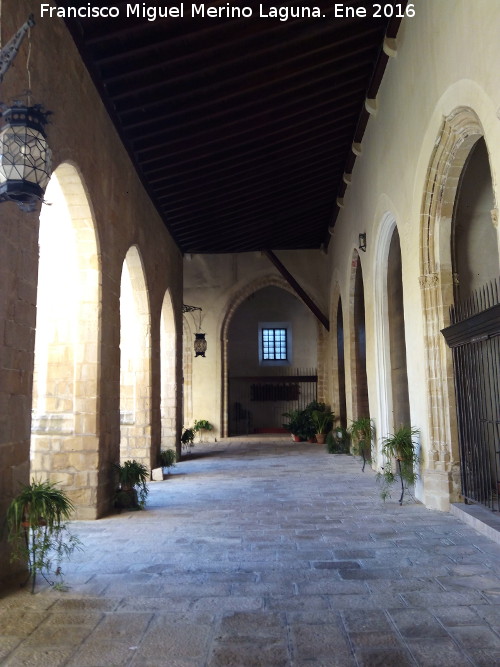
[362, 242]
[200, 345]
[25, 157]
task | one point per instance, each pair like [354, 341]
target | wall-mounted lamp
[25, 158]
[362, 242]
[200, 344]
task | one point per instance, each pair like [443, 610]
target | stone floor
[266, 553]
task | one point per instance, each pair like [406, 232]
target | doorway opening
[135, 363]
[65, 443]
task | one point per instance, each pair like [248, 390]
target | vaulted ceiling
[240, 129]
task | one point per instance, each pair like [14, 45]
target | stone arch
[337, 356]
[235, 300]
[135, 361]
[187, 372]
[390, 335]
[357, 340]
[459, 133]
[65, 438]
[382, 337]
[168, 387]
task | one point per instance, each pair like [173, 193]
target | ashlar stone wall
[119, 216]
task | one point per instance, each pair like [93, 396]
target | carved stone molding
[429, 280]
[494, 217]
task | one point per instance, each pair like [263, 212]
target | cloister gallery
[96, 350]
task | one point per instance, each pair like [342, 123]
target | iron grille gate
[258, 402]
[474, 337]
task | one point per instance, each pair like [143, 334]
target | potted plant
[294, 424]
[362, 432]
[187, 438]
[168, 457]
[200, 426]
[132, 489]
[37, 529]
[338, 441]
[323, 422]
[401, 452]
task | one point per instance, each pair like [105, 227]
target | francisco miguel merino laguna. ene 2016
[200, 10]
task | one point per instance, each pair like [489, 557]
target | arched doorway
[473, 336]
[168, 398]
[342, 404]
[135, 362]
[270, 360]
[359, 382]
[65, 444]
[452, 209]
[397, 336]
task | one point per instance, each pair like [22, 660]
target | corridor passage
[266, 553]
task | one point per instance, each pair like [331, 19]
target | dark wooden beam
[301, 293]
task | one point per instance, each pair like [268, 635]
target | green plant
[299, 424]
[37, 528]
[338, 441]
[401, 452]
[201, 425]
[187, 438]
[168, 458]
[315, 406]
[322, 420]
[362, 432]
[294, 421]
[132, 488]
[310, 426]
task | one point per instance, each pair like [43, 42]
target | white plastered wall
[445, 60]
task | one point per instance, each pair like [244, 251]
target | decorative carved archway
[459, 132]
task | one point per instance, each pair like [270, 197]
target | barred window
[274, 344]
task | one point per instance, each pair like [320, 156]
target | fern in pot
[38, 530]
[362, 432]
[132, 490]
[168, 458]
[400, 450]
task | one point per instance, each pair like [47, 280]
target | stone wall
[81, 135]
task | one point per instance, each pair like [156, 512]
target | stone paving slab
[259, 552]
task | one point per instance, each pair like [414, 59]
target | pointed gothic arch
[359, 381]
[337, 355]
[460, 131]
[234, 301]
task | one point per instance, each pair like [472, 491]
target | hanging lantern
[25, 158]
[200, 345]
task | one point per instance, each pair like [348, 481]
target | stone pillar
[440, 471]
[18, 284]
